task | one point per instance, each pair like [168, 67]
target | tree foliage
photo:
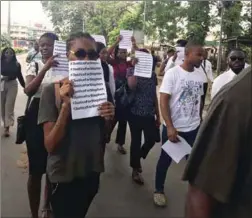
[5, 41]
[198, 20]
[165, 21]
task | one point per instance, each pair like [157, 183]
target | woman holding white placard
[75, 146]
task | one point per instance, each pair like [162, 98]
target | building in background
[22, 36]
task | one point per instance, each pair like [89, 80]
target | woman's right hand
[66, 91]
[51, 62]
[119, 38]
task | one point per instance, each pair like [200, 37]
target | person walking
[118, 60]
[181, 94]
[143, 117]
[10, 72]
[34, 54]
[75, 147]
[37, 76]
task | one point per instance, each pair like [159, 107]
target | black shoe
[121, 149]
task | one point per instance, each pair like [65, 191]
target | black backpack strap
[36, 67]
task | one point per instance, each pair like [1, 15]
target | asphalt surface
[118, 195]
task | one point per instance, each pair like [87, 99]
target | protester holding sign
[37, 76]
[118, 59]
[143, 115]
[75, 147]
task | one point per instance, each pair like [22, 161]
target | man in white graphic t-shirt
[236, 63]
[180, 101]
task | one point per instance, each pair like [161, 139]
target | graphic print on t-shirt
[189, 100]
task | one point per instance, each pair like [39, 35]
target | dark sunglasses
[237, 58]
[81, 53]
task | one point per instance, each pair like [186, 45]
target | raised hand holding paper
[99, 38]
[89, 88]
[177, 150]
[62, 68]
[143, 68]
[126, 43]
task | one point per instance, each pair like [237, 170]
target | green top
[81, 150]
[221, 160]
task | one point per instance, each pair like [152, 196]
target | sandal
[137, 177]
[121, 149]
[46, 213]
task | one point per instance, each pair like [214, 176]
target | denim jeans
[165, 160]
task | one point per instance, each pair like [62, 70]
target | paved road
[118, 196]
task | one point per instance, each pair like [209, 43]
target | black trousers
[139, 124]
[73, 199]
[36, 151]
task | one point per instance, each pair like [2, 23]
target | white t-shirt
[186, 89]
[208, 69]
[221, 80]
[48, 78]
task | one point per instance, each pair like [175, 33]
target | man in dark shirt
[219, 170]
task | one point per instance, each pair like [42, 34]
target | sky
[25, 12]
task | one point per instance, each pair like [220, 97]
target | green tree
[5, 41]
[164, 20]
[131, 20]
[198, 20]
[94, 17]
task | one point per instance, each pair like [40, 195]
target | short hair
[192, 44]
[236, 49]
[144, 50]
[182, 42]
[49, 35]
[171, 50]
[77, 35]
[99, 46]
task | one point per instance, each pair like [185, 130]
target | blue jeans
[165, 160]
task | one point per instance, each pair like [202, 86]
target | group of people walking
[71, 152]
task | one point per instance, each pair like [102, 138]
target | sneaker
[159, 199]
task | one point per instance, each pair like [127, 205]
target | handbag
[124, 97]
[21, 120]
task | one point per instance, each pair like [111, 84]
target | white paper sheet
[139, 36]
[144, 66]
[99, 38]
[89, 88]
[126, 43]
[177, 150]
[62, 68]
[181, 54]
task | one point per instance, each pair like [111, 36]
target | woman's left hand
[107, 110]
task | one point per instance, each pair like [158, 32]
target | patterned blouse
[145, 95]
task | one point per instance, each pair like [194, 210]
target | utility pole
[9, 18]
[220, 41]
